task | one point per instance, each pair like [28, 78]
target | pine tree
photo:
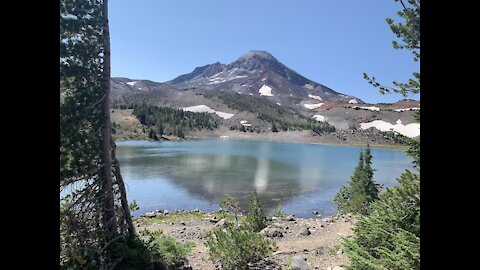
[361, 191]
[94, 215]
[409, 33]
[390, 237]
[274, 127]
[255, 218]
[371, 186]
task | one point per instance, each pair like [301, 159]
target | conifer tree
[389, 238]
[255, 218]
[274, 127]
[94, 216]
[361, 191]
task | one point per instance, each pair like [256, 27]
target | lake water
[197, 174]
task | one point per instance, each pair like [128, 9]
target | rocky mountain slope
[259, 73]
[257, 90]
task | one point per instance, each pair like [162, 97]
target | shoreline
[379, 146]
[317, 240]
[266, 139]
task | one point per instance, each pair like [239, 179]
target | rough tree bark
[106, 170]
[123, 193]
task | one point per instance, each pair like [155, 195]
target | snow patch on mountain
[411, 130]
[353, 101]
[224, 115]
[371, 108]
[206, 109]
[265, 90]
[313, 106]
[319, 117]
[132, 83]
[408, 109]
[315, 97]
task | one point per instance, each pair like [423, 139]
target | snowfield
[265, 90]
[132, 83]
[371, 108]
[408, 109]
[245, 123]
[411, 130]
[206, 109]
[319, 118]
[353, 101]
[315, 97]
[224, 115]
[313, 106]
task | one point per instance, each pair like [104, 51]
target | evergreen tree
[409, 33]
[361, 191]
[372, 187]
[274, 127]
[255, 218]
[94, 217]
[389, 238]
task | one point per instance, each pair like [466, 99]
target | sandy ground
[320, 248]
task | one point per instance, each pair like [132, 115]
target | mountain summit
[259, 73]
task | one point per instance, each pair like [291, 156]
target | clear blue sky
[331, 42]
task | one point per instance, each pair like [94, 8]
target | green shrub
[255, 219]
[229, 204]
[390, 237]
[133, 206]
[166, 249]
[235, 247]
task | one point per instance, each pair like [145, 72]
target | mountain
[260, 74]
[257, 92]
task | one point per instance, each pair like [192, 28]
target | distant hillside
[257, 91]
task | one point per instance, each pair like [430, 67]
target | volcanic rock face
[254, 71]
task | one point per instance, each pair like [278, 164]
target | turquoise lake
[300, 178]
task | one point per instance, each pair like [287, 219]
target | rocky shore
[302, 243]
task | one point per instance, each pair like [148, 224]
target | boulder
[222, 223]
[149, 215]
[304, 231]
[272, 231]
[339, 251]
[298, 263]
[319, 251]
[328, 219]
[290, 218]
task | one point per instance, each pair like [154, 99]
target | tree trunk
[123, 193]
[106, 170]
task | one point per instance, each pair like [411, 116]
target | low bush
[166, 248]
[234, 247]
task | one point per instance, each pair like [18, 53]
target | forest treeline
[170, 121]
